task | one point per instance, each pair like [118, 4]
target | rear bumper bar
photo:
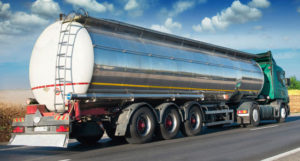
[41, 129]
[48, 140]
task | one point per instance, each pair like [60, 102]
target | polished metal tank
[135, 62]
[97, 59]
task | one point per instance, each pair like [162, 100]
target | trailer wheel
[254, 116]
[170, 125]
[110, 131]
[282, 114]
[141, 127]
[193, 125]
[88, 133]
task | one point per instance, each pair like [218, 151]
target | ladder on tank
[63, 65]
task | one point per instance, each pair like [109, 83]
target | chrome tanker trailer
[90, 76]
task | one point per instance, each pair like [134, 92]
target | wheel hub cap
[141, 125]
[255, 115]
[283, 113]
[194, 121]
[169, 122]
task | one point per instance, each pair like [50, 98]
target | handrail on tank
[74, 15]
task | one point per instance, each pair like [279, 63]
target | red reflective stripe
[52, 85]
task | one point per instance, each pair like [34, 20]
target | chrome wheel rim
[283, 113]
[170, 123]
[255, 115]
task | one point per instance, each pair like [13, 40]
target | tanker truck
[90, 76]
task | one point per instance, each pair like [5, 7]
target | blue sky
[249, 25]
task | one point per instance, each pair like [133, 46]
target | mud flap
[49, 140]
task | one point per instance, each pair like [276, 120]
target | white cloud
[197, 28]
[4, 10]
[110, 7]
[298, 9]
[24, 19]
[91, 5]
[259, 3]
[135, 8]
[45, 8]
[130, 5]
[168, 26]
[207, 24]
[181, 6]
[235, 14]
[18, 22]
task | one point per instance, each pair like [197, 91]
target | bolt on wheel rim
[143, 125]
[194, 121]
[170, 122]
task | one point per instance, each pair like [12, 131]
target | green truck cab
[273, 101]
[275, 85]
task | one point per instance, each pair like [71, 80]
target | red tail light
[18, 129]
[62, 128]
[242, 111]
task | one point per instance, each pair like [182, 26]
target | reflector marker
[64, 117]
[53, 85]
[21, 119]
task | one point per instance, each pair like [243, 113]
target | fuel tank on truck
[101, 58]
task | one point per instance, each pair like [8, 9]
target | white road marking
[282, 155]
[263, 127]
[65, 160]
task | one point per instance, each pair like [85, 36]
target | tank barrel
[124, 61]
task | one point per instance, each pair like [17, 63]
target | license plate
[40, 128]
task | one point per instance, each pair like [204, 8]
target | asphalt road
[227, 143]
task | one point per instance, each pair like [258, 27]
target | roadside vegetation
[295, 84]
[7, 113]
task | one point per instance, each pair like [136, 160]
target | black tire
[170, 125]
[193, 125]
[141, 127]
[282, 114]
[254, 115]
[110, 131]
[88, 141]
[88, 133]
